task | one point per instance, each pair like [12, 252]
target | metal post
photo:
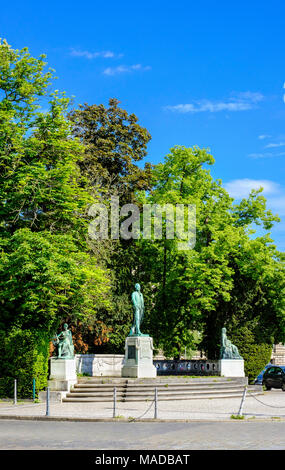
[47, 402]
[15, 391]
[114, 402]
[34, 389]
[155, 403]
[242, 401]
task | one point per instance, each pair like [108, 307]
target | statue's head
[137, 287]
[65, 326]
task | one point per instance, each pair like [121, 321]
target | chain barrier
[266, 404]
[140, 417]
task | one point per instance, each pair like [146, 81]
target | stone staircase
[92, 389]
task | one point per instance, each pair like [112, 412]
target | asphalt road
[60, 435]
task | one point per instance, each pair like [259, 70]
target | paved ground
[268, 406]
[203, 424]
[60, 435]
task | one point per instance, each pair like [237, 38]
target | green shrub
[255, 355]
[24, 356]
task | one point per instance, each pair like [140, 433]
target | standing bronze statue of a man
[138, 309]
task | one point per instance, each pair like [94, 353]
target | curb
[134, 420]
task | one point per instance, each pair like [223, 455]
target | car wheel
[283, 387]
[267, 387]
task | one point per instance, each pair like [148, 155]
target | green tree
[44, 204]
[197, 289]
[114, 143]
[46, 279]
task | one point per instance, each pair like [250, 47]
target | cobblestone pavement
[62, 435]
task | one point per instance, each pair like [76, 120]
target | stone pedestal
[62, 377]
[138, 357]
[62, 374]
[231, 367]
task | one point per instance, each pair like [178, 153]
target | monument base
[62, 374]
[62, 377]
[138, 361]
[231, 367]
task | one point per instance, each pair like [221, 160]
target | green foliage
[55, 165]
[45, 278]
[255, 355]
[47, 274]
[228, 278]
[46, 271]
[114, 142]
[29, 362]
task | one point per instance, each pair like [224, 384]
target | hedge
[24, 356]
[255, 355]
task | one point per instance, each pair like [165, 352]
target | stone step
[144, 394]
[158, 381]
[98, 389]
[222, 395]
[95, 393]
[143, 389]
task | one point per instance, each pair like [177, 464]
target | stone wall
[99, 365]
[278, 355]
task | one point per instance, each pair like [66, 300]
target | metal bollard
[47, 402]
[34, 389]
[242, 402]
[15, 391]
[155, 403]
[114, 402]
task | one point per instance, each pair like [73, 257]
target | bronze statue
[228, 349]
[65, 344]
[138, 309]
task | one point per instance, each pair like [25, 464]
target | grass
[237, 417]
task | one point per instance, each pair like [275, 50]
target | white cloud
[273, 145]
[241, 102]
[125, 69]
[264, 136]
[94, 55]
[240, 188]
[251, 96]
[266, 155]
[277, 204]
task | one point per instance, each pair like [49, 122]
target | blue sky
[195, 73]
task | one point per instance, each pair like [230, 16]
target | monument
[231, 362]
[138, 360]
[63, 366]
